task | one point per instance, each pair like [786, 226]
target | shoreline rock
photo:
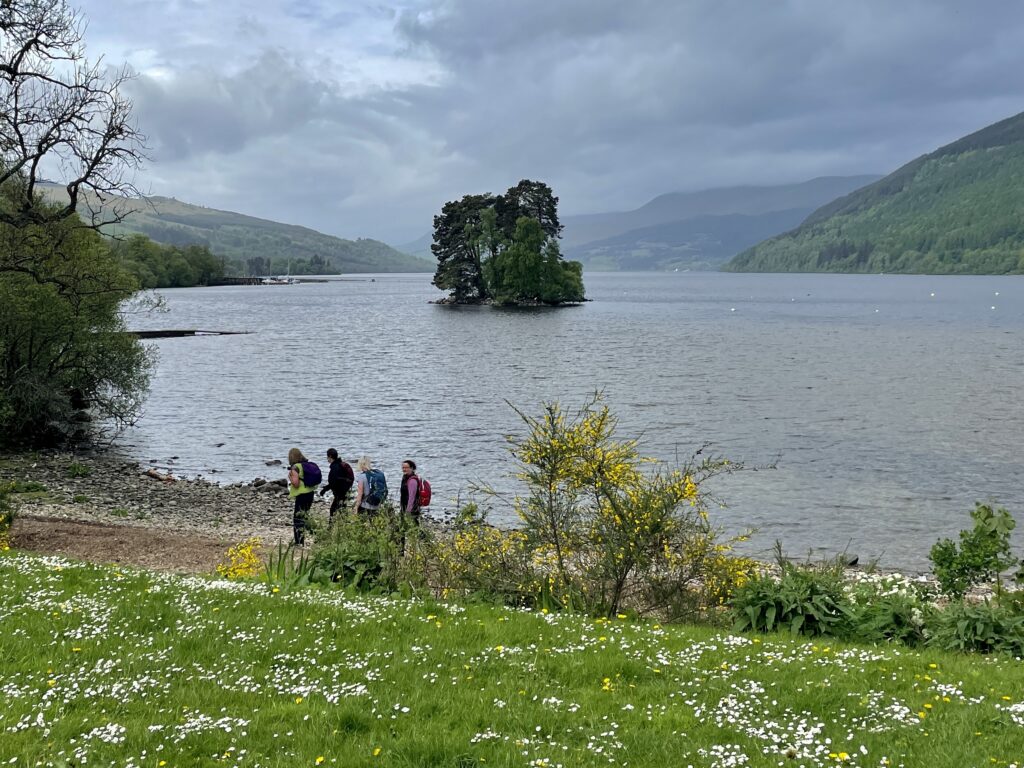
[108, 488]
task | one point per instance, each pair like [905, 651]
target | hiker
[410, 498]
[371, 487]
[300, 469]
[339, 481]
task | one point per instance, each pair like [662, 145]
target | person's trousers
[300, 519]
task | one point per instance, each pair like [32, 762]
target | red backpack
[423, 494]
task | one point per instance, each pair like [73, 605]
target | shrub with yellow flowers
[606, 528]
[243, 560]
[480, 560]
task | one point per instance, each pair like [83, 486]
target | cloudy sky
[360, 118]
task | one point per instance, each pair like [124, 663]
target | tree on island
[504, 249]
[64, 356]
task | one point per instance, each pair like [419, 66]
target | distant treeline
[156, 265]
[168, 266]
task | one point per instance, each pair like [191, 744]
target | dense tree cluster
[505, 248]
[167, 266]
[66, 364]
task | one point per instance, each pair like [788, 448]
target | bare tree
[60, 115]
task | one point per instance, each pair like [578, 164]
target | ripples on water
[889, 410]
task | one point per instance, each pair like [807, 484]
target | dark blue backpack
[311, 475]
[376, 488]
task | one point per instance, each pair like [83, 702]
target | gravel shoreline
[107, 488]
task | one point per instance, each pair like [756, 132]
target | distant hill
[722, 201]
[691, 230]
[240, 237]
[700, 243]
[419, 247]
[957, 210]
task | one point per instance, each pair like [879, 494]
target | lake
[889, 404]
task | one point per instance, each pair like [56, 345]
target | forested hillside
[958, 210]
[257, 246]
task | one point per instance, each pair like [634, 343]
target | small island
[503, 250]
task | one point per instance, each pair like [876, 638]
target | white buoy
[733, 309]
[933, 295]
[997, 293]
[993, 307]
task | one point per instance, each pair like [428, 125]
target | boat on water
[285, 279]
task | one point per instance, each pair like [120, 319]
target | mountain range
[957, 210]
[240, 237]
[689, 230]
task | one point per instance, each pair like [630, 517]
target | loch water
[887, 404]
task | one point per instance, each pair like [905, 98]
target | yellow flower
[319, 760]
[298, 699]
[376, 751]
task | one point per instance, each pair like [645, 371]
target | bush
[483, 562]
[890, 618]
[367, 553]
[983, 554]
[599, 533]
[987, 627]
[803, 600]
[888, 607]
[67, 368]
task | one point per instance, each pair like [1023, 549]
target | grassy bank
[122, 668]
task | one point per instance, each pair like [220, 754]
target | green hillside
[243, 238]
[958, 210]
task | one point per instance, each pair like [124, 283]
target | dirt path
[153, 548]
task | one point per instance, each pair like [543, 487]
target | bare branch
[60, 115]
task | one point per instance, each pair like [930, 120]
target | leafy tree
[533, 199]
[505, 248]
[64, 356]
[457, 246]
[167, 266]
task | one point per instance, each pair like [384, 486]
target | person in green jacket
[302, 494]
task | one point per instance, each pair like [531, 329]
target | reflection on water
[888, 410]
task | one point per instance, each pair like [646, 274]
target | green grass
[100, 666]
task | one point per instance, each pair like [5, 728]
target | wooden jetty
[239, 281]
[174, 334]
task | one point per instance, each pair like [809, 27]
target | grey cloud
[610, 102]
[205, 111]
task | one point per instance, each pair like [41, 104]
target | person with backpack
[339, 480]
[371, 487]
[303, 479]
[415, 491]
